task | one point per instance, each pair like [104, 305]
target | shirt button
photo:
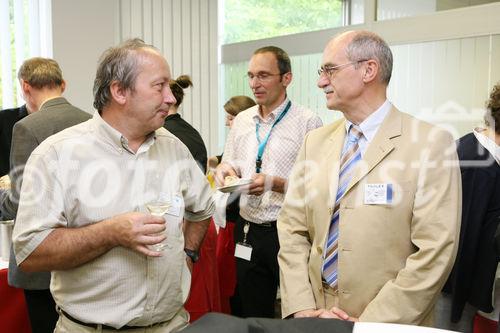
[319, 249]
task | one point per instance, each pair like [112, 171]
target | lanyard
[262, 145]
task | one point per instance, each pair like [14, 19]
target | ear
[63, 86]
[371, 69]
[287, 79]
[25, 87]
[118, 93]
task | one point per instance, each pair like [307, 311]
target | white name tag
[378, 194]
[175, 208]
[243, 251]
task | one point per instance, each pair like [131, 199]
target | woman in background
[204, 296]
[181, 128]
[471, 285]
[225, 239]
[232, 107]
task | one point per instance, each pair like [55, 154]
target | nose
[254, 82]
[168, 97]
[323, 81]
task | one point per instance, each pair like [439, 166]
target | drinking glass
[159, 208]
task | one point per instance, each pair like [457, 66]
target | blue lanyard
[262, 145]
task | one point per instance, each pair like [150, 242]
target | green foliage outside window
[246, 20]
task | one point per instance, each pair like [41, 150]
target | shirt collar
[273, 115]
[487, 143]
[370, 125]
[116, 139]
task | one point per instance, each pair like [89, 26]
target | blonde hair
[41, 72]
[237, 104]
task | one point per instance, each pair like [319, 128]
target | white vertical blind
[185, 31]
[35, 41]
[6, 54]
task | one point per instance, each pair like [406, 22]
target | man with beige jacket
[369, 227]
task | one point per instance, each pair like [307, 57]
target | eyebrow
[260, 72]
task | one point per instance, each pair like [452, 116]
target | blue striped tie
[350, 156]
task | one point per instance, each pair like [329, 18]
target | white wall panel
[81, 31]
[446, 82]
[186, 33]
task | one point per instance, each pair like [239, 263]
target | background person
[204, 296]
[262, 145]
[233, 106]
[470, 286]
[181, 128]
[8, 117]
[42, 86]
[226, 262]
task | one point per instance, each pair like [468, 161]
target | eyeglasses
[330, 70]
[262, 77]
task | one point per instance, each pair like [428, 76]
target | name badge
[378, 194]
[175, 208]
[243, 251]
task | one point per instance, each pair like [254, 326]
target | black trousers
[258, 279]
[41, 310]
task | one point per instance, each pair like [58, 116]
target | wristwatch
[193, 255]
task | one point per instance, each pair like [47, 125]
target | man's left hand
[261, 183]
[338, 314]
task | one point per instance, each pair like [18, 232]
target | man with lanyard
[262, 146]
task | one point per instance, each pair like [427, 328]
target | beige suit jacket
[393, 258]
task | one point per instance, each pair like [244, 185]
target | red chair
[484, 325]
[13, 312]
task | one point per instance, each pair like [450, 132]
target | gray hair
[367, 45]
[117, 64]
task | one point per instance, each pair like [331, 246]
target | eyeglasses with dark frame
[262, 77]
[330, 70]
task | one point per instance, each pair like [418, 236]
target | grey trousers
[443, 314]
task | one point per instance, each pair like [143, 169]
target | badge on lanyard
[243, 250]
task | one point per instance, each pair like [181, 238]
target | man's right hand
[136, 231]
[222, 171]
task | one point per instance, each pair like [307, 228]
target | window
[25, 31]
[392, 9]
[246, 20]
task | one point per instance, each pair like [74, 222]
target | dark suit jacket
[217, 322]
[8, 118]
[473, 274]
[54, 116]
[189, 136]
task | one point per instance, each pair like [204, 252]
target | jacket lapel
[380, 147]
